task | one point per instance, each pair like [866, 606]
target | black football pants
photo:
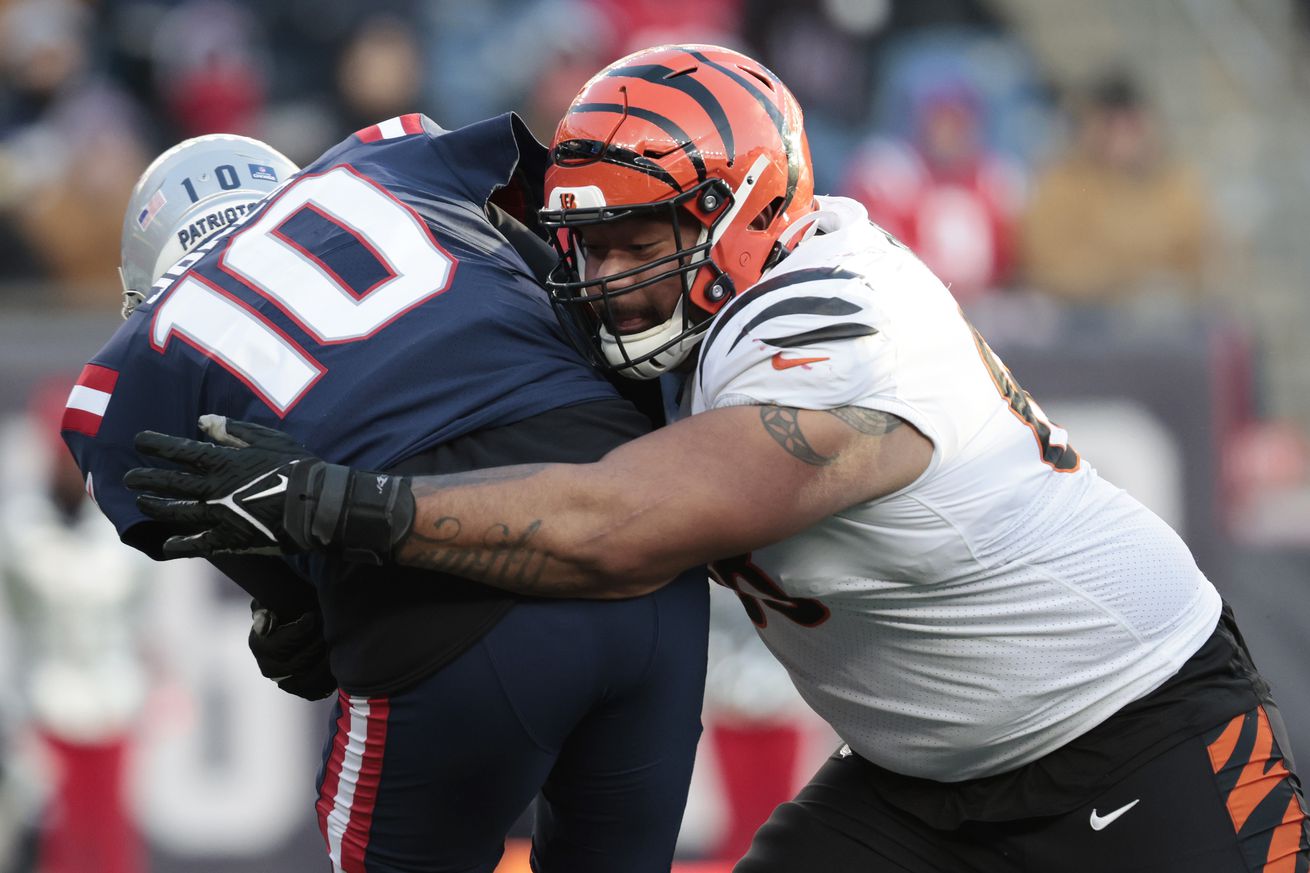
[1221, 802]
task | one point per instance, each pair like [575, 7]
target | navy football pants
[594, 704]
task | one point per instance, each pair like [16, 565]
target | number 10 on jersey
[267, 260]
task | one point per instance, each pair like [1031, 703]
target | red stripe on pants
[327, 792]
[354, 844]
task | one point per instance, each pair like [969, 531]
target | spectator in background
[833, 56]
[636, 24]
[488, 57]
[562, 76]
[71, 143]
[379, 73]
[210, 66]
[76, 596]
[1118, 214]
[944, 194]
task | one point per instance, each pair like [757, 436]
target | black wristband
[359, 515]
[379, 512]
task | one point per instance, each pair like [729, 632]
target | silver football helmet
[194, 190]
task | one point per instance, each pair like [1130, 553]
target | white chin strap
[618, 351]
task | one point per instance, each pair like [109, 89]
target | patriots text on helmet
[193, 233]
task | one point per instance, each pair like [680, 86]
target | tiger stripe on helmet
[663, 123]
[689, 85]
[775, 115]
[695, 89]
[560, 154]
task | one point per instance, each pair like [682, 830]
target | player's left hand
[292, 653]
[231, 493]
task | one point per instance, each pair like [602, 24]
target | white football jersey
[1007, 601]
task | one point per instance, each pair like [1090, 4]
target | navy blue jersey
[368, 307]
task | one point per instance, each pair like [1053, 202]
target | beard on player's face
[626, 245]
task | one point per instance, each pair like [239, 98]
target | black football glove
[292, 654]
[231, 496]
[256, 489]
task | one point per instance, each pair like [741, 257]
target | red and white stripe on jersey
[350, 782]
[401, 125]
[89, 399]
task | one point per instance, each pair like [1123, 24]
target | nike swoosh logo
[1101, 822]
[268, 492]
[781, 363]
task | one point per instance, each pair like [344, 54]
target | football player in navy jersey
[380, 308]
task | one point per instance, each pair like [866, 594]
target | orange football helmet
[693, 133]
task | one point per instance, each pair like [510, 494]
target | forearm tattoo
[783, 424]
[505, 558]
[869, 422]
[500, 556]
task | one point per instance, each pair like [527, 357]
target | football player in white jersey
[1028, 669]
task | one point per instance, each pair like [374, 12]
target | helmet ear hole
[766, 215]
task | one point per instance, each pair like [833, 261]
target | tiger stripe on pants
[1263, 798]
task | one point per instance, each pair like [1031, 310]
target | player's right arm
[804, 419]
[628, 523]
[718, 484]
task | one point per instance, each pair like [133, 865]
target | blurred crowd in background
[932, 113]
[1069, 223]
